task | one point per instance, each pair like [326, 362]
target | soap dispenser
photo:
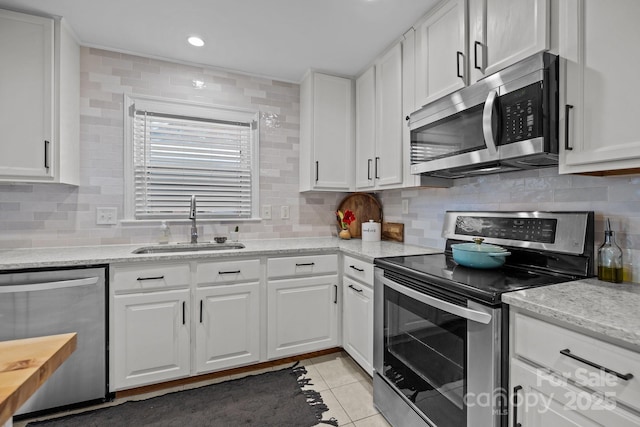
[610, 258]
[165, 233]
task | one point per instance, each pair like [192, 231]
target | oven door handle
[464, 312]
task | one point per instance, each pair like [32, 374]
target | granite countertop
[12, 259]
[610, 309]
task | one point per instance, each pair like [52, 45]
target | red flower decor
[349, 217]
[345, 219]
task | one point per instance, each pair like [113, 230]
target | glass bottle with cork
[610, 258]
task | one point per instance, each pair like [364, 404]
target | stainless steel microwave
[505, 122]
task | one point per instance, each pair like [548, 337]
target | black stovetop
[440, 271]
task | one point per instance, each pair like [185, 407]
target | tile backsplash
[617, 198]
[36, 215]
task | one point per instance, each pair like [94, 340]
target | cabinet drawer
[302, 265]
[145, 276]
[542, 343]
[228, 271]
[359, 270]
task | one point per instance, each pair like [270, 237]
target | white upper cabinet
[441, 61]
[387, 164]
[379, 123]
[39, 100]
[365, 129]
[598, 44]
[326, 133]
[503, 32]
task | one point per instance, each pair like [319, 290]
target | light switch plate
[405, 206]
[284, 212]
[106, 216]
[266, 212]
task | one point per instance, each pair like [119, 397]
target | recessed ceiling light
[195, 41]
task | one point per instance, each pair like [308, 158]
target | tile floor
[345, 388]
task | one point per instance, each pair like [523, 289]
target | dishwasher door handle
[48, 286]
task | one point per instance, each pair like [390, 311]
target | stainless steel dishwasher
[37, 303]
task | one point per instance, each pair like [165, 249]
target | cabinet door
[301, 315]
[332, 132]
[598, 44]
[389, 119]
[227, 319]
[540, 399]
[151, 338]
[26, 96]
[357, 323]
[515, 30]
[441, 52]
[365, 129]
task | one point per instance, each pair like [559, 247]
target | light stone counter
[608, 309]
[12, 259]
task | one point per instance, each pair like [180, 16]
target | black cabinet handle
[335, 294]
[356, 268]
[567, 352]
[229, 272]
[355, 289]
[567, 109]
[475, 55]
[407, 118]
[46, 154]
[200, 311]
[369, 169]
[317, 171]
[376, 168]
[184, 309]
[305, 264]
[150, 278]
[516, 389]
[458, 55]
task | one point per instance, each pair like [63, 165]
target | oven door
[436, 355]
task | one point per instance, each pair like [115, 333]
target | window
[175, 149]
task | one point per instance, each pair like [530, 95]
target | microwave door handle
[487, 119]
[464, 312]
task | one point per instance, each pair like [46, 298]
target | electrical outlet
[266, 212]
[284, 212]
[106, 216]
[405, 206]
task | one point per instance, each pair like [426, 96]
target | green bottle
[610, 258]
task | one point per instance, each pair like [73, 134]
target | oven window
[425, 357]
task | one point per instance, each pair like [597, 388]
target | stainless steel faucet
[192, 217]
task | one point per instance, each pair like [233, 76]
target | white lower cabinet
[227, 326]
[357, 322]
[302, 315]
[302, 304]
[541, 399]
[557, 377]
[152, 333]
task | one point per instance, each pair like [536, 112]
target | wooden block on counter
[26, 364]
[393, 231]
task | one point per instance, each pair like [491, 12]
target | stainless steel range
[441, 330]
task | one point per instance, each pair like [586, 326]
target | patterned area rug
[268, 399]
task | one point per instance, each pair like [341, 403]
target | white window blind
[176, 156]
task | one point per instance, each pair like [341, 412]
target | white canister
[371, 231]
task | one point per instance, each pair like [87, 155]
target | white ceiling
[279, 39]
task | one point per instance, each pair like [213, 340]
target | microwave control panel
[521, 114]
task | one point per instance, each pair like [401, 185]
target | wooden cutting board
[365, 207]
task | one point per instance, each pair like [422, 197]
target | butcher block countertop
[26, 364]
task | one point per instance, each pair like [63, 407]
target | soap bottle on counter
[165, 233]
[610, 258]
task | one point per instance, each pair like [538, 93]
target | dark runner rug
[269, 399]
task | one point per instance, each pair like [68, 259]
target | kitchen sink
[188, 247]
